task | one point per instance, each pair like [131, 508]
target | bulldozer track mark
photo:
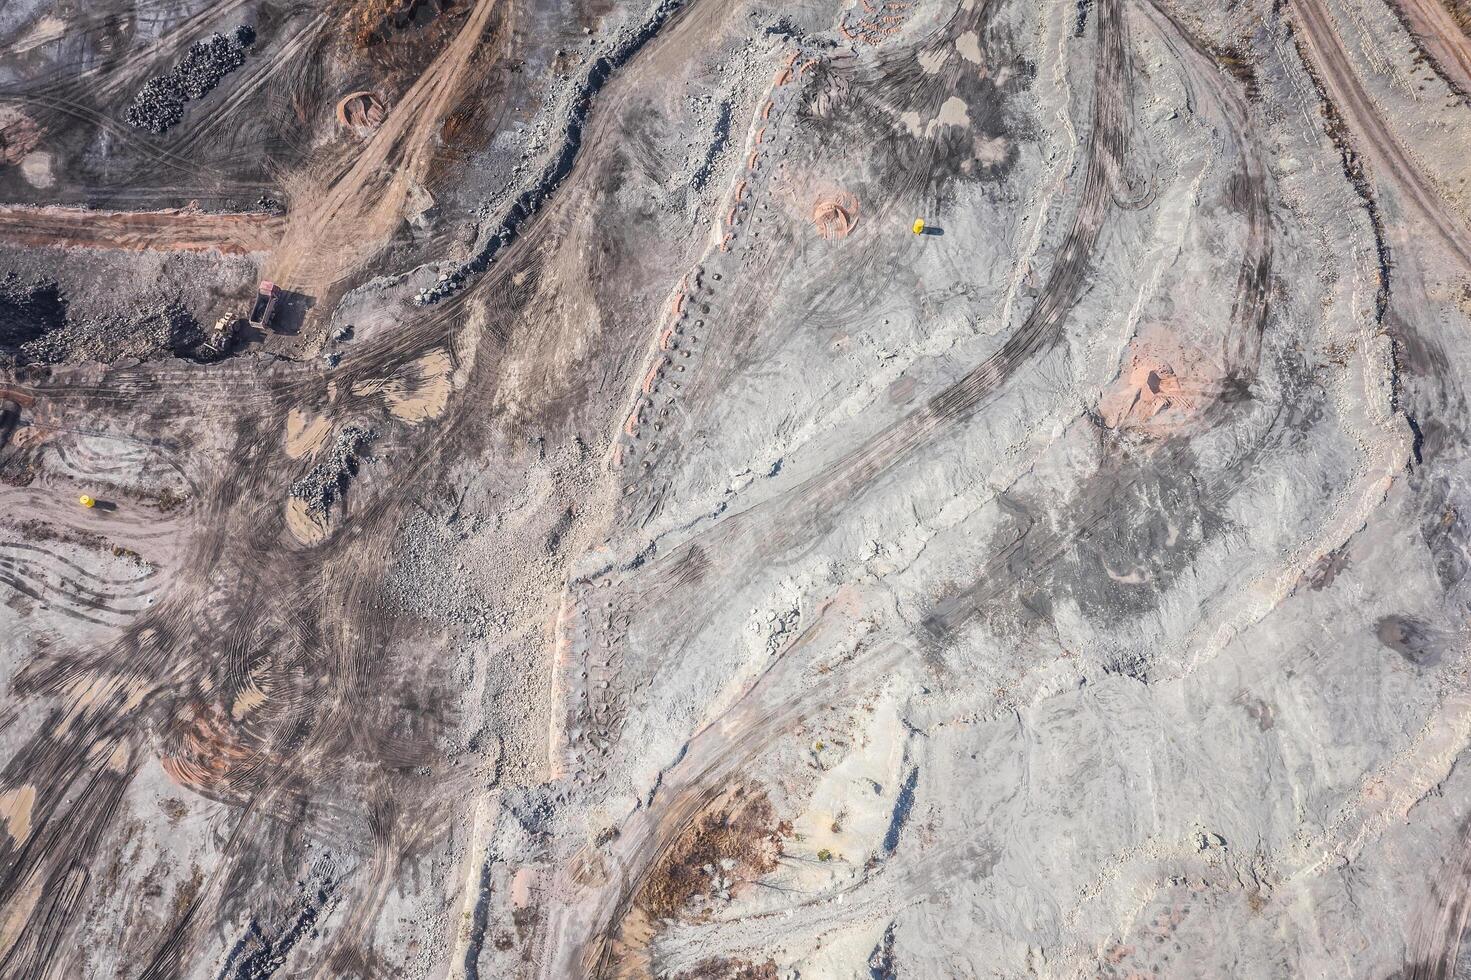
[169, 231]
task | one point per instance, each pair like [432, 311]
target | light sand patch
[427, 397]
[969, 46]
[846, 820]
[303, 525]
[304, 434]
[913, 123]
[36, 169]
[15, 810]
[49, 28]
[90, 689]
[249, 698]
[953, 113]
[991, 150]
[421, 391]
[843, 951]
[931, 61]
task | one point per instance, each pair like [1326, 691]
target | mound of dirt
[835, 215]
[361, 111]
[38, 327]
[1164, 385]
[163, 330]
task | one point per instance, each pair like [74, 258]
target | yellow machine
[919, 226]
[86, 501]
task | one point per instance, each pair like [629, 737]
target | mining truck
[265, 304]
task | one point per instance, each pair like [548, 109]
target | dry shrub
[721, 968]
[741, 827]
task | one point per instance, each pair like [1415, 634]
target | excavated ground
[633, 550]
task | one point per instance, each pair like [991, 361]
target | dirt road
[1393, 166]
[342, 216]
[1436, 29]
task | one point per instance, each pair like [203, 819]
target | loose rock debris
[328, 479]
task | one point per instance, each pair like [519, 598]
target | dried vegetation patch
[735, 840]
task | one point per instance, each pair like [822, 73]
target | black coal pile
[28, 312]
[37, 327]
[159, 105]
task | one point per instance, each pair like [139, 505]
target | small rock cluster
[321, 487]
[448, 282]
[159, 106]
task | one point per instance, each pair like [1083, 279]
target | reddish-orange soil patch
[835, 215]
[19, 135]
[207, 754]
[1164, 386]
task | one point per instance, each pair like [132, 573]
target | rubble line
[530, 200]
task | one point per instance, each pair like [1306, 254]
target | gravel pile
[159, 106]
[321, 487]
[447, 283]
[429, 576]
[164, 329]
[158, 329]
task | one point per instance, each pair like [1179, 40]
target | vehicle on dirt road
[265, 304]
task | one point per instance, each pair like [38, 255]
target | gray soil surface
[635, 548]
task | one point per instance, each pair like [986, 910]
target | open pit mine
[735, 489]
